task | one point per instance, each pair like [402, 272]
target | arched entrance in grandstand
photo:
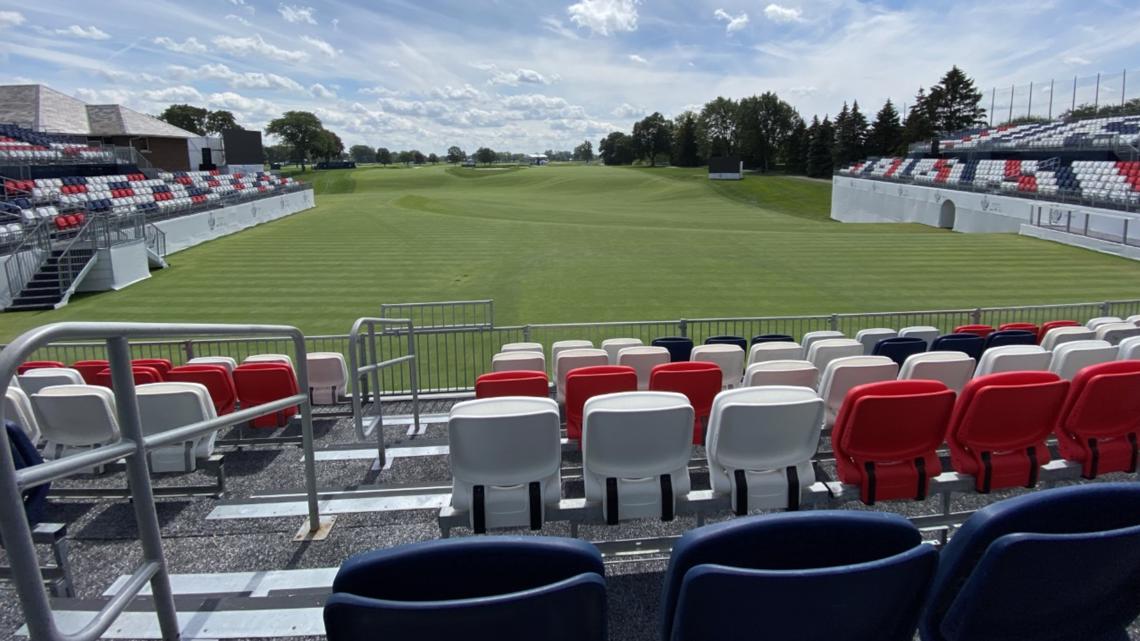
[946, 214]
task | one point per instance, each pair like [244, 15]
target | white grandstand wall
[185, 232]
[117, 267]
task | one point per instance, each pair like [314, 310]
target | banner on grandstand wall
[726, 168]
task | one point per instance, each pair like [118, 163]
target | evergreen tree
[955, 103]
[919, 125]
[819, 161]
[850, 130]
[685, 147]
[885, 136]
[796, 148]
[858, 127]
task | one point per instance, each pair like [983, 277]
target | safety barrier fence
[365, 368]
[132, 447]
[1114, 229]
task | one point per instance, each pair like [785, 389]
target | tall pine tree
[955, 103]
[850, 131]
[796, 148]
[819, 162]
[685, 146]
[919, 125]
[885, 136]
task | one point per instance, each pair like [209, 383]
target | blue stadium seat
[819, 575]
[680, 348]
[1059, 564]
[971, 344]
[1010, 337]
[24, 454]
[898, 349]
[739, 341]
[496, 588]
[773, 338]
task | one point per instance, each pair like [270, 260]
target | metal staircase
[63, 266]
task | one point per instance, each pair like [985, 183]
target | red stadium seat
[700, 381]
[1100, 421]
[887, 435]
[260, 383]
[142, 376]
[512, 384]
[1048, 325]
[161, 364]
[999, 427]
[976, 330]
[217, 380]
[1024, 327]
[30, 365]
[89, 370]
[584, 383]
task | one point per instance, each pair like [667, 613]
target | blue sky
[531, 75]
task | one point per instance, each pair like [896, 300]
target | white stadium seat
[635, 453]
[760, 444]
[1129, 349]
[1134, 319]
[1116, 332]
[643, 359]
[1102, 320]
[569, 359]
[225, 361]
[1061, 335]
[35, 380]
[615, 345]
[328, 376]
[510, 449]
[166, 406]
[18, 409]
[926, 332]
[811, 337]
[824, 351]
[761, 352]
[519, 361]
[1070, 358]
[522, 347]
[952, 369]
[561, 346]
[269, 358]
[75, 418]
[843, 374]
[794, 373]
[730, 359]
[871, 337]
[1014, 358]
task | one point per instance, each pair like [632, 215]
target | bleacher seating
[512, 383]
[167, 406]
[699, 382]
[1100, 421]
[797, 373]
[584, 383]
[19, 145]
[262, 382]
[215, 378]
[953, 369]
[75, 418]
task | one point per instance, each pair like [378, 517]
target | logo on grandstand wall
[1056, 216]
[937, 197]
[253, 209]
[212, 221]
[902, 192]
[985, 203]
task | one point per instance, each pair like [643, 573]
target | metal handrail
[28, 257]
[372, 370]
[155, 239]
[133, 446]
[87, 238]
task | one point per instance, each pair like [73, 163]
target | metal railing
[364, 366]
[1114, 229]
[26, 259]
[80, 250]
[132, 446]
[155, 240]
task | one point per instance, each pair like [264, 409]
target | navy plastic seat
[1010, 337]
[971, 344]
[739, 341]
[24, 454]
[819, 575]
[680, 348]
[773, 338]
[1059, 564]
[898, 349]
[497, 588]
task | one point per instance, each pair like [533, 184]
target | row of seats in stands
[1057, 564]
[27, 146]
[1107, 132]
[761, 440]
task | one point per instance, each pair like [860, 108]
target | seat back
[328, 377]
[519, 361]
[585, 383]
[1067, 334]
[263, 382]
[524, 383]
[482, 588]
[615, 345]
[679, 347]
[75, 416]
[34, 380]
[160, 365]
[28, 366]
[561, 346]
[819, 575]
[1134, 319]
[1116, 332]
[772, 338]
[739, 341]
[970, 344]
[570, 359]
[1004, 337]
[824, 351]
[952, 369]
[643, 360]
[1129, 349]
[1048, 325]
[1025, 327]
[224, 361]
[844, 374]
[899, 349]
[871, 337]
[699, 382]
[788, 372]
[998, 576]
[142, 375]
[976, 330]
[1070, 358]
[1100, 421]
[774, 351]
[810, 338]
[729, 357]
[1094, 323]
[217, 380]
[522, 347]
[18, 409]
[167, 406]
[926, 332]
[499, 448]
[90, 369]
[1014, 358]
[269, 358]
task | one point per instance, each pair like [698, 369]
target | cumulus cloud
[466, 92]
[517, 77]
[778, 13]
[626, 110]
[190, 45]
[320, 91]
[734, 23]
[236, 79]
[605, 17]
[320, 45]
[181, 93]
[638, 59]
[256, 45]
[296, 14]
[244, 104]
[11, 19]
[238, 19]
[83, 33]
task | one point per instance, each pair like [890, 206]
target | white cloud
[88, 33]
[335, 22]
[238, 19]
[11, 19]
[627, 110]
[320, 91]
[391, 64]
[518, 76]
[777, 13]
[1075, 60]
[605, 17]
[181, 93]
[554, 25]
[256, 45]
[735, 23]
[466, 92]
[638, 59]
[190, 45]
[248, 106]
[296, 14]
[320, 45]
[236, 79]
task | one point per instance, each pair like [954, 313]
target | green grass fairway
[588, 243]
